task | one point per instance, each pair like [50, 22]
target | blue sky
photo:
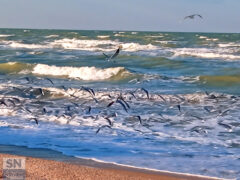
[145, 15]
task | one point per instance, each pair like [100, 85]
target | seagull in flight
[193, 16]
[108, 58]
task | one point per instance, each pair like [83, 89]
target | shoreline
[73, 167]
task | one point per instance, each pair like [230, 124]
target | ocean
[168, 101]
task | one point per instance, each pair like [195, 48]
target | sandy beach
[48, 169]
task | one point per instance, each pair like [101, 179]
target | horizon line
[161, 31]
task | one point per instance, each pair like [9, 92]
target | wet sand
[43, 169]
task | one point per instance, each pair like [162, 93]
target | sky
[133, 15]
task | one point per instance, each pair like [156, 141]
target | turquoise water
[190, 122]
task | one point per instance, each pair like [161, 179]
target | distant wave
[105, 45]
[87, 45]
[18, 44]
[223, 45]
[6, 35]
[84, 45]
[119, 35]
[103, 37]
[206, 53]
[100, 45]
[52, 36]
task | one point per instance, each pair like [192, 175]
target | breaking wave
[85, 45]
[100, 45]
[83, 73]
[6, 35]
[218, 53]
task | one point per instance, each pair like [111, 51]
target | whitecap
[6, 35]
[52, 36]
[84, 73]
[206, 53]
[103, 37]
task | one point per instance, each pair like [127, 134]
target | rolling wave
[223, 80]
[83, 73]
[227, 51]
[216, 53]
[6, 35]
[85, 45]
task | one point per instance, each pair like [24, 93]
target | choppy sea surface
[168, 101]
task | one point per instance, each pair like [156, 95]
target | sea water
[182, 90]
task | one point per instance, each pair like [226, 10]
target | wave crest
[206, 53]
[84, 73]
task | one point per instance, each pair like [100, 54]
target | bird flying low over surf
[108, 58]
[193, 16]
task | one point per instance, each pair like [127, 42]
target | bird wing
[123, 105]
[50, 81]
[106, 56]
[115, 54]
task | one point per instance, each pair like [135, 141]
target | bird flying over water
[193, 16]
[108, 58]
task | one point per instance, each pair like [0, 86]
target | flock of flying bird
[120, 99]
[97, 100]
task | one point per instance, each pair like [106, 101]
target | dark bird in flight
[36, 120]
[179, 107]
[90, 90]
[108, 58]
[50, 81]
[104, 126]
[193, 16]
[145, 92]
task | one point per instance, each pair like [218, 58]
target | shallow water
[188, 123]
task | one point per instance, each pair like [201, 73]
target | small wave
[157, 36]
[52, 36]
[100, 45]
[16, 44]
[87, 45]
[224, 80]
[13, 67]
[131, 47]
[119, 35]
[103, 37]
[212, 39]
[167, 42]
[84, 73]
[203, 37]
[223, 45]
[206, 53]
[6, 35]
